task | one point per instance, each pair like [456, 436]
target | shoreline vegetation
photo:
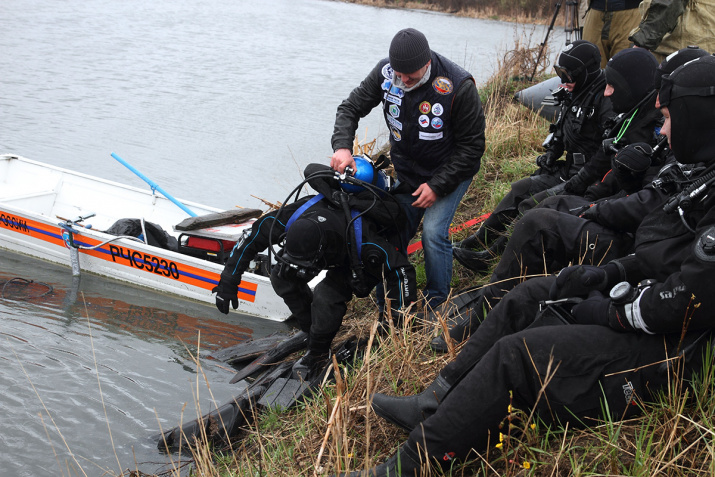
[336, 430]
[520, 11]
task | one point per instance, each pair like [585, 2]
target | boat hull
[539, 98]
[45, 236]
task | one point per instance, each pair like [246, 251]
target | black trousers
[546, 240]
[519, 197]
[321, 311]
[590, 364]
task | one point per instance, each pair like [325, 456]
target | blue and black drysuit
[320, 311]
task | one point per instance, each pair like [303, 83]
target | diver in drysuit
[350, 235]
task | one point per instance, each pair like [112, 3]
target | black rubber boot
[488, 232]
[405, 463]
[431, 315]
[462, 329]
[473, 242]
[408, 411]
[482, 260]
[308, 366]
[475, 261]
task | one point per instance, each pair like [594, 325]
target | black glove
[547, 160]
[592, 311]
[630, 165]
[590, 214]
[225, 294]
[578, 184]
[580, 280]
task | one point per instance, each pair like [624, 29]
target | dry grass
[526, 11]
[337, 430]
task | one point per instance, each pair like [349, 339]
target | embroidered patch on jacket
[437, 109]
[396, 134]
[394, 111]
[431, 136]
[442, 85]
[394, 122]
[425, 107]
[437, 123]
[393, 99]
[387, 71]
[423, 120]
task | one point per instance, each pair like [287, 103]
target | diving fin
[287, 391]
[283, 349]
[284, 392]
[247, 350]
[222, 424]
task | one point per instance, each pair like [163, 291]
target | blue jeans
[436, 243]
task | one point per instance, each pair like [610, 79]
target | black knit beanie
[630, 72]
[674, 60]
[409, 51]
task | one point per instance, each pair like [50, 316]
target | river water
[219, 102]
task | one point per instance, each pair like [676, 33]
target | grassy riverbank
[337, 429]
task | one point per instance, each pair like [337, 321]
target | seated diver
[351, 235]
[574, 137]
[551, 235]
[631, 170]
[629, 89]
[636, 317]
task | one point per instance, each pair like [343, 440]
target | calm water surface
[215, 100]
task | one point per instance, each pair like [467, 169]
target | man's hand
[341, 159]
[578, 280]
[225, 295]
[546, 161]
[425, 197]
[593, 310]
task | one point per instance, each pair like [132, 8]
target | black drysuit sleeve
[248, 247]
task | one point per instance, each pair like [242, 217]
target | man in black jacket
[578, 132]
[432, 109]
[637, 316]
[342, 233]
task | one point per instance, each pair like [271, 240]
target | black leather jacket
[467, 119]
